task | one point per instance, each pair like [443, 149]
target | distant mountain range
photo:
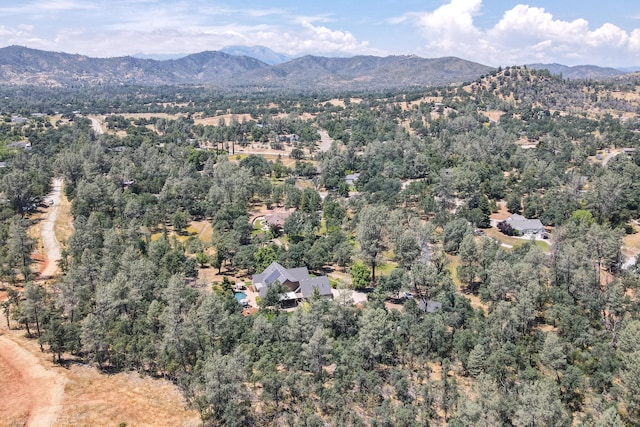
[630, 69]
[261, 53]
[23, 66]
[579, 71]
[253, 68]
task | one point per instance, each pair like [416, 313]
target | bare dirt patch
[16, 398]
[37, 390]
[492, 115]
[502, 213]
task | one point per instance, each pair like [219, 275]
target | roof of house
[351, 178]
[321, 283]
[277, 218]
[429, 306]
[521, 223]
[306, 284]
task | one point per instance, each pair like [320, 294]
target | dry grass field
[227, 118]
[35, 392]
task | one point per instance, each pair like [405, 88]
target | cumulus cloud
[523, 34]
[178, 26]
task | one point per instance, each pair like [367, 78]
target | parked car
[408, 295]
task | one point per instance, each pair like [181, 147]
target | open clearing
[35, 392]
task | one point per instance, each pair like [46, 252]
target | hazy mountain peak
[159, 56]
[261, 53]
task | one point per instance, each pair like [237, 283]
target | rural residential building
[300, 286]
[351, 179]
[276, 219]
[524, 225]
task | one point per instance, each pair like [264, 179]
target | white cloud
[120, 27]
[634, 41]
[523, 34]
[62, 5]
[159, 38]
[450, 27]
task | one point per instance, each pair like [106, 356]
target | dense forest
[529, 333]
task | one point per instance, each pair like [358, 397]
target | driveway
[346, 295]
[325, 140]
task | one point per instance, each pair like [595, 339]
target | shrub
[506, 228]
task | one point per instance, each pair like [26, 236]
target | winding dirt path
[49, 241]
[31, 393]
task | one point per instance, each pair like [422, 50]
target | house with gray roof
[351, 179]
[429, 306]
[524, 225]
[300, 286]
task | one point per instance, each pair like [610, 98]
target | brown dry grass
[38, 254]
[267, 153]
[90, 397]
[631, 242]
[502, 213]
[492, 115]
[436, 371]
[93, 399]
[149, 115]
[426, 99]
[633, 96]
[336, 102]
[227, 118]
[202, 229]
[63, 227]
[476, 302]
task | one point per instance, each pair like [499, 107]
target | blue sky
[491, 32]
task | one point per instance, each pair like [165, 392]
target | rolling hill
[579, 71]
[24, 66]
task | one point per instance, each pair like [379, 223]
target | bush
[506, 229]
[361, 276]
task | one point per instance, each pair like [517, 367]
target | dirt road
[325, 140]
[35, 393]
[31, 393]
[97, 127]
[49, 240]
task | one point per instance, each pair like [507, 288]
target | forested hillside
[459, 323]
[229, 73]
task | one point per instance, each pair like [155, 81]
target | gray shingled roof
[429, 306]
[522, 224]
[321, 283]
[276, 272]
